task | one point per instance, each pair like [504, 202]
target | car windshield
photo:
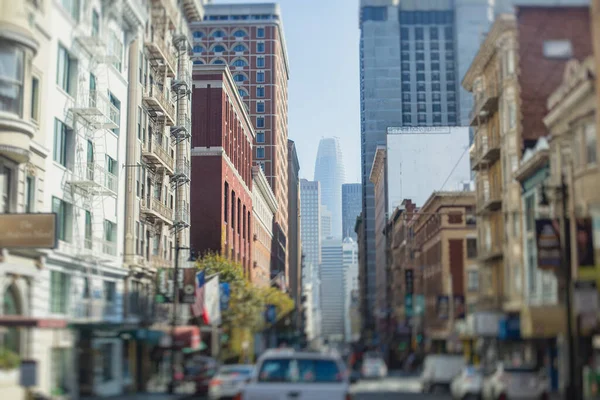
[300, 371]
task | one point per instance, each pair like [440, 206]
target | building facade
[310, 221]
[351, 208]
[332, 276]
[250, 39]
[222, 154]
[264, 208]
[329, 171]
[379, 179]
[350, 262]
[294, 274]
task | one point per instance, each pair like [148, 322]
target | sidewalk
[157, 392]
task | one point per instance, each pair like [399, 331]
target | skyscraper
[294, 275]
[332, 290]
[350, 263]
[329, 171]
[310, 221]
[351, 208]
[249, 39]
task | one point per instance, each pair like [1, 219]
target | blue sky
[324, 91]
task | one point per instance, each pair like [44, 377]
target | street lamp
[572, 389]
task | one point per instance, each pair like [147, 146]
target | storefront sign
[548, 244]
[165, 284]
[585, 297]
[28, 231]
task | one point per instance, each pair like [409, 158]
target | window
[218, 33]
[590, 144]
[240, 78]
[260, 91]
[66, 71]
[471, 248]
[374, 14]
[240, 48]
[260, 77]
[217, 61]
[232, 209]
[218, 48]
[260, 62]
[300, 371]
[29, 194]
[106, 355]
[511, 114]
[199, 49]
[115, 49]
[226, 201]
[64, 212]
[35, 98]
[115, 112]
[7, 179]
[473, 280]
[260, 137]
[60, 287]
[240, 33]
[260, 47]
[530, 213]
[72, 7]
[419, 34]
[561, 49]
[260, 122]
[260, 152]
[260, 32]
[88, 229]
[260, 107]
[239, 63]
[95, 23]
[62, 143]
[60, 372]
[242, 93]
[198, 34]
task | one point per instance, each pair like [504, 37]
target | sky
[322, 39]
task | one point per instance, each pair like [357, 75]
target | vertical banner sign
[164, 286]
[225, 294]
[459, 306]
[408, 305]
[187, 291]
[443, 307]
[585, 243]
[548, 244]
[409, 281]
[270, 314]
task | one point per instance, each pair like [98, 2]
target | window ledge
[15, 137]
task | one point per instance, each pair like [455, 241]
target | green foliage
[9, 360]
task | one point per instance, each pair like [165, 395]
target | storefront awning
[19, 321]
[542, 321]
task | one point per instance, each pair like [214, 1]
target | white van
[439, 370]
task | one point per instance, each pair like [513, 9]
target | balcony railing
[182, 169]
[161, 54]
[159, 262]
[94, 107]
[156, 101]
[182, 129]
[485, 103]
[156, 154]
[94, 178]
[182, 217]
[489, 195]
[154, 208]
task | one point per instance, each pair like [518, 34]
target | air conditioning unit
[255, 237]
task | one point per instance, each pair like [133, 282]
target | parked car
[229, 381]
[504, 383]
[468, 384]
[439, 370]
[374, 368]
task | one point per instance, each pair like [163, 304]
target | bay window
[11, 78]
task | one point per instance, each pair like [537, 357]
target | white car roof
[290, 353]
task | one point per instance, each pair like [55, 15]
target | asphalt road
[392, 387]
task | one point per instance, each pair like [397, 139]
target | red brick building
[221, 187]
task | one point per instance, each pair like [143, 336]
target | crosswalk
[389, 384]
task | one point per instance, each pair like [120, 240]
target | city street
[392, 387]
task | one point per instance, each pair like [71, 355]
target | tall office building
[310, 221]
[294, 272]
[326, 232]
[250, 39]
[332, 276]
[351, 208]
[329, 171]
[350, 263]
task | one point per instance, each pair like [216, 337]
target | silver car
[229, 381]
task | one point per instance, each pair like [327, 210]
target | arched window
[239, 62]
[217, 61]
[12, 306]
[240, 33]
[242, 92]
[198, 49]
[218, 33]
[219, 48]
[240, 77]
[198, 62]
[198, 34]
[240, 48]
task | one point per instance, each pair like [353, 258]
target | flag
[198, 308]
